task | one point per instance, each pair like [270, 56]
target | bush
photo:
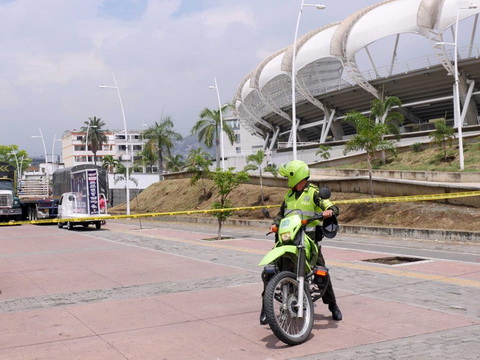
[417, 147]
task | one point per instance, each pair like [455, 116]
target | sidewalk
[158, 293]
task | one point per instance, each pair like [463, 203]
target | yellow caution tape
[412, 198]
[134, 216]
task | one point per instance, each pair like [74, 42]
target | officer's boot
[263, 317]
[336, 313]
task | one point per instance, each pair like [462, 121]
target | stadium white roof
[327, 70]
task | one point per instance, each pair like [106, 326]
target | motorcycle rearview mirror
[325, 193]
[266, 213]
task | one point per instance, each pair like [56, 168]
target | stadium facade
[331, 79]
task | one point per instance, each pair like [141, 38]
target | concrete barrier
[434, 176]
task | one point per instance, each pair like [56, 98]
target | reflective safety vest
[306, 204]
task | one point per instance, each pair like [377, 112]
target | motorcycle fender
[277, 252]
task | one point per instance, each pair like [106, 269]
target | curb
[425, 234]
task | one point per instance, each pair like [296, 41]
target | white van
[84, 201]
[68, 208]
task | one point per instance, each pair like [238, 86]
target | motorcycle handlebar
[317, 216]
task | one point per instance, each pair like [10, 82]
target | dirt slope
[178, 195]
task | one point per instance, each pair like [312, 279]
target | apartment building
[245, 144]
[74, 151]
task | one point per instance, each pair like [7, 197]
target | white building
[74, 150]
[245, 144]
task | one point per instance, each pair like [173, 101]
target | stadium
[402, 48]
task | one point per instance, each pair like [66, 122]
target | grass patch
[430, 159]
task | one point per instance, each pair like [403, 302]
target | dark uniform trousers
[329, 297]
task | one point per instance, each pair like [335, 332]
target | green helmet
[295, 171]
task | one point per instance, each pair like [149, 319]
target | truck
[10, 206]
[86, 196]
[37, 196]
[34, 192]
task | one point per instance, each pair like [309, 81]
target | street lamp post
[222, 155]
[19, 170]
[46, 160]
[126, 157]
[53, 150]
[294, 54]
[44, 147]
[144, 167]
[16, 160]
[456, 89]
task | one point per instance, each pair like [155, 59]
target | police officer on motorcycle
[308, 198]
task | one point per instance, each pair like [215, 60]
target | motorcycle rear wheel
[280, 300]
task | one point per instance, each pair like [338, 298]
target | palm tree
[110, 163]
[160, 139]
[175, 163]
[254, 162]
[369, 138]
[199, 162]
[207, 129]
[96, 135]
[382, 111]
[442, 134]
[147, 157]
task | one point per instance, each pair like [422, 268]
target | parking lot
[164, 292]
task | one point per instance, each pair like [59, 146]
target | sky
[54, 54]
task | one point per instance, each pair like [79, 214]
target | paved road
[164, 292]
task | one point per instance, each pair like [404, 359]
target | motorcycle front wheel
[280, 304]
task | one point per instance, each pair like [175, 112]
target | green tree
[324, 151]
[175, 163]
[207, 129]
[199, 162]
[160, 139]
[96, 135]
[442, 136]
[382, 111]
[147, 157]
[369, 138]
[254, 162]
[8, 153]
[226, 182]
[109, 163]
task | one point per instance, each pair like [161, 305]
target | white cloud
[8, 97]
[217, 21]
[38, 70]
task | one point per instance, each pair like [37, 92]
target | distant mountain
[188, 143]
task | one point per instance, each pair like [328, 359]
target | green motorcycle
[291, 277]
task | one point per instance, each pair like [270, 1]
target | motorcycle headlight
[286, 236]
